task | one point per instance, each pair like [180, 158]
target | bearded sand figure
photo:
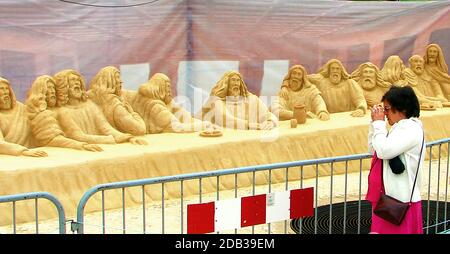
[80, 118]
[297, 90]
[106, 91]
[437, 68]
[370, 80]
[340, 93]
[43, 122]
[427, 89]
[15, 134]
[231, 105]
[392, 71]
[155, 104]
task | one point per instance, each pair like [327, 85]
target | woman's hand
[377, 112]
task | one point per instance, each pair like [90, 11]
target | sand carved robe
[242, 113]
[47, 132]
[85, 122]
[441, 77]
[120, 114]
[343, 97]
[374, 96]
[15, 133]
[157, 115]
[308, 96]
[426, 88]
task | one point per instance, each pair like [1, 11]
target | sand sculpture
[392, 71]
[81, 119]
[426, 88]
[106, 91]
[370, 80]
[340, 93]
[43, 122]
[231, 105]
[154, 103]
[14, 129]
[297, 90]
[437, 68]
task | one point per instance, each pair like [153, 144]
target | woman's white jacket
[405, 139]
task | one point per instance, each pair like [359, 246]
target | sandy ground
[172, 208]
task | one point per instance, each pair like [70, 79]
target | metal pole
[103, 212]
[330, 221]
[162, 210]
[143, 208]
[181, 206]
[345, 197]
[123, 211]
[37, 215]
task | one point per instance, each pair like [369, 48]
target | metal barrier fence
[432, 192]
[36, 196]
[79, 225]
[181, 178]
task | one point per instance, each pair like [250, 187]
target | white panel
[196, 78]
[133, 75]
[274, 72]
[277, 206]
[228, 214]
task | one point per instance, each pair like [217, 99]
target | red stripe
[302, 203]
[200, 218]
[253, 210]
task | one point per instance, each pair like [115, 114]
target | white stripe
[133, 75]
[274, 72]
[277, 206]
[228, 214]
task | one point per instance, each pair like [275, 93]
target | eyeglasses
[386, 108]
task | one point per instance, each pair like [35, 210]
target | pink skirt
[411, 224]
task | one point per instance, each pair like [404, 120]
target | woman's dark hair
[403, 99]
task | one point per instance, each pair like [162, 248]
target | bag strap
[418, 165]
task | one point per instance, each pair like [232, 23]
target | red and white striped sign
[248, 211]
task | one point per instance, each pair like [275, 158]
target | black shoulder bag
[391, 209]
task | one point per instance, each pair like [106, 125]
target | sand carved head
[7, 97]
[70, 85]
[296, 78]
[231, 84]
[334, 70]
[157, 88]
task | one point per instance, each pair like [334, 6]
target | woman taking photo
[396, 158]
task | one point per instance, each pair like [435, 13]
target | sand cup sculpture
[300, 113]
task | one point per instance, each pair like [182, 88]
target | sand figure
[106, 91]
[436, 67]
[392, 71]
[297, 90]
[43, 122]
[14, 129]
[426, 88]
[370, 80]
[340, 93]
[81, 119]
[155, 104]
[231, 105]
